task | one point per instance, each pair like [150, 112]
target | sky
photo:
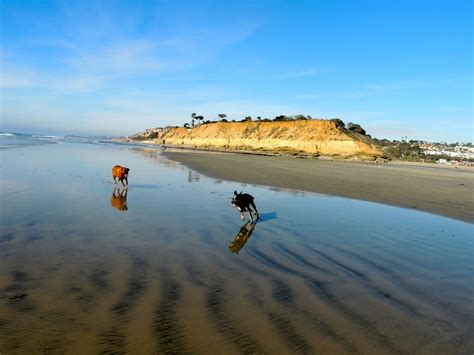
[399, 68]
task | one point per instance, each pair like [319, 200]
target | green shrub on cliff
[354, 127]
[339, 123]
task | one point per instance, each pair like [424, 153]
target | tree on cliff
[222, 116]
[354, 127]
[298, 117]
[199, 118]
[195, 117]
[339, 123]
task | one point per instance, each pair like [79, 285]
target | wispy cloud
[93, 52]
[17, 78]
[414, 83]
[122, 59]
[314, 96]
[370, 90]
[331, 95]
[125, 66]
[299, 73]
[14, 80]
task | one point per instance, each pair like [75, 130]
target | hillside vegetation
[314, 137]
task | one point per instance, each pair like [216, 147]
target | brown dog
[121, 173]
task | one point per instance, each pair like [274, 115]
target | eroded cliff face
[319, 137]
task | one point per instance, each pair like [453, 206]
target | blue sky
[398, 68]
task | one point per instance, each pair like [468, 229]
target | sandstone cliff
[315, 137]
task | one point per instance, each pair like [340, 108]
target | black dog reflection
[119, 199]
[242, 237]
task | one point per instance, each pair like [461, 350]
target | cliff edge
[314, 137]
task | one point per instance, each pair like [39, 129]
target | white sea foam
[47, 137]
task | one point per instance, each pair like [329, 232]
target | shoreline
[335, 158]
[430, 188]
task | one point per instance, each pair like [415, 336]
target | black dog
[244, 203]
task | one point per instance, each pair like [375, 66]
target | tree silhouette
[193, 117]
[199, 118]
[354, 127]
[222, 116]
[339, 123]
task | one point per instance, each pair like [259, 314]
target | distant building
[456, 152]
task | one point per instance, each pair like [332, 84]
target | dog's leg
[242, 216]
[250, 214]
[114, 177]
[255, 209]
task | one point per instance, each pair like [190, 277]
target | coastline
[439, 190]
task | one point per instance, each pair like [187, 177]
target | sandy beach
[168, 266]
[445, 191]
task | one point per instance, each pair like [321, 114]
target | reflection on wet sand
[154, 155]
[242, 237]
[324, 275]
[193, 176]
[119, 199]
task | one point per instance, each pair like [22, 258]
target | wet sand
[444, 191]
[170, 268]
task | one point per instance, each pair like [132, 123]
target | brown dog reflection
[119, 199]
[242, 237]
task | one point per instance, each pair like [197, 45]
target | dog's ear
[235, 192]
[240, 193]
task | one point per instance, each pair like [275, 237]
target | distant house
[442, 161]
